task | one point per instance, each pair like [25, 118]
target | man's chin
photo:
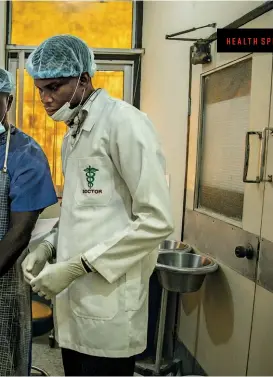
[50, 112]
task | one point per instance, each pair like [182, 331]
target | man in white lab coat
[115, 212]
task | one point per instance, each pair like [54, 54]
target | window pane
[226, 109]
[100, 24]
[48, 133]
[112, 81]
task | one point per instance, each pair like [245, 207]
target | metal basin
[175, 245]
[183, 272]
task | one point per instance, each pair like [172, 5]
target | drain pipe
[185, 186]
[187, 142]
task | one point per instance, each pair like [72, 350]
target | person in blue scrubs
[26, 189]
[31, 186]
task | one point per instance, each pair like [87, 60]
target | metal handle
[244, 252]
[263, 155]
[246, 163]
[263, 137]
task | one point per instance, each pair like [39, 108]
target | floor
[47, 358]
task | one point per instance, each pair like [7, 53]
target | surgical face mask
[2, 127]
[65, 113]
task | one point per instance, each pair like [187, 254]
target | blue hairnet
[6, 82]
[61, 56]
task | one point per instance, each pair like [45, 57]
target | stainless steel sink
[183, 272]
[175, 245]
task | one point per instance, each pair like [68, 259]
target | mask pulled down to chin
[65, 113]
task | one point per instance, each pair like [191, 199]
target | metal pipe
[177, 296]
[182, 39]
[189, 30]
[187, 143]
[161, 331]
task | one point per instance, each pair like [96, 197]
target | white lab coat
[117, 224]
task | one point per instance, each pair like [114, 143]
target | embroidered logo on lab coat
[90, 174]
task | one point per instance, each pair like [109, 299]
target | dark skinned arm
[17, 238]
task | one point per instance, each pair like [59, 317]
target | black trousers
[79, 364]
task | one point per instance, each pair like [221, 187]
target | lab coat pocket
[133, 290]
[91, 296]
[94, 182]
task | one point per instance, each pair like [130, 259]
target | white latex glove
[36, 260]
[54, 278]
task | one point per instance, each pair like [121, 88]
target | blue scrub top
[31, 186]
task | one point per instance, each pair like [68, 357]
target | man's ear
[85, 80]
[10, 100]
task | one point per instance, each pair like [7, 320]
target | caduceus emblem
[90, 175]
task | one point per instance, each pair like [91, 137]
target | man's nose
[46, 98]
